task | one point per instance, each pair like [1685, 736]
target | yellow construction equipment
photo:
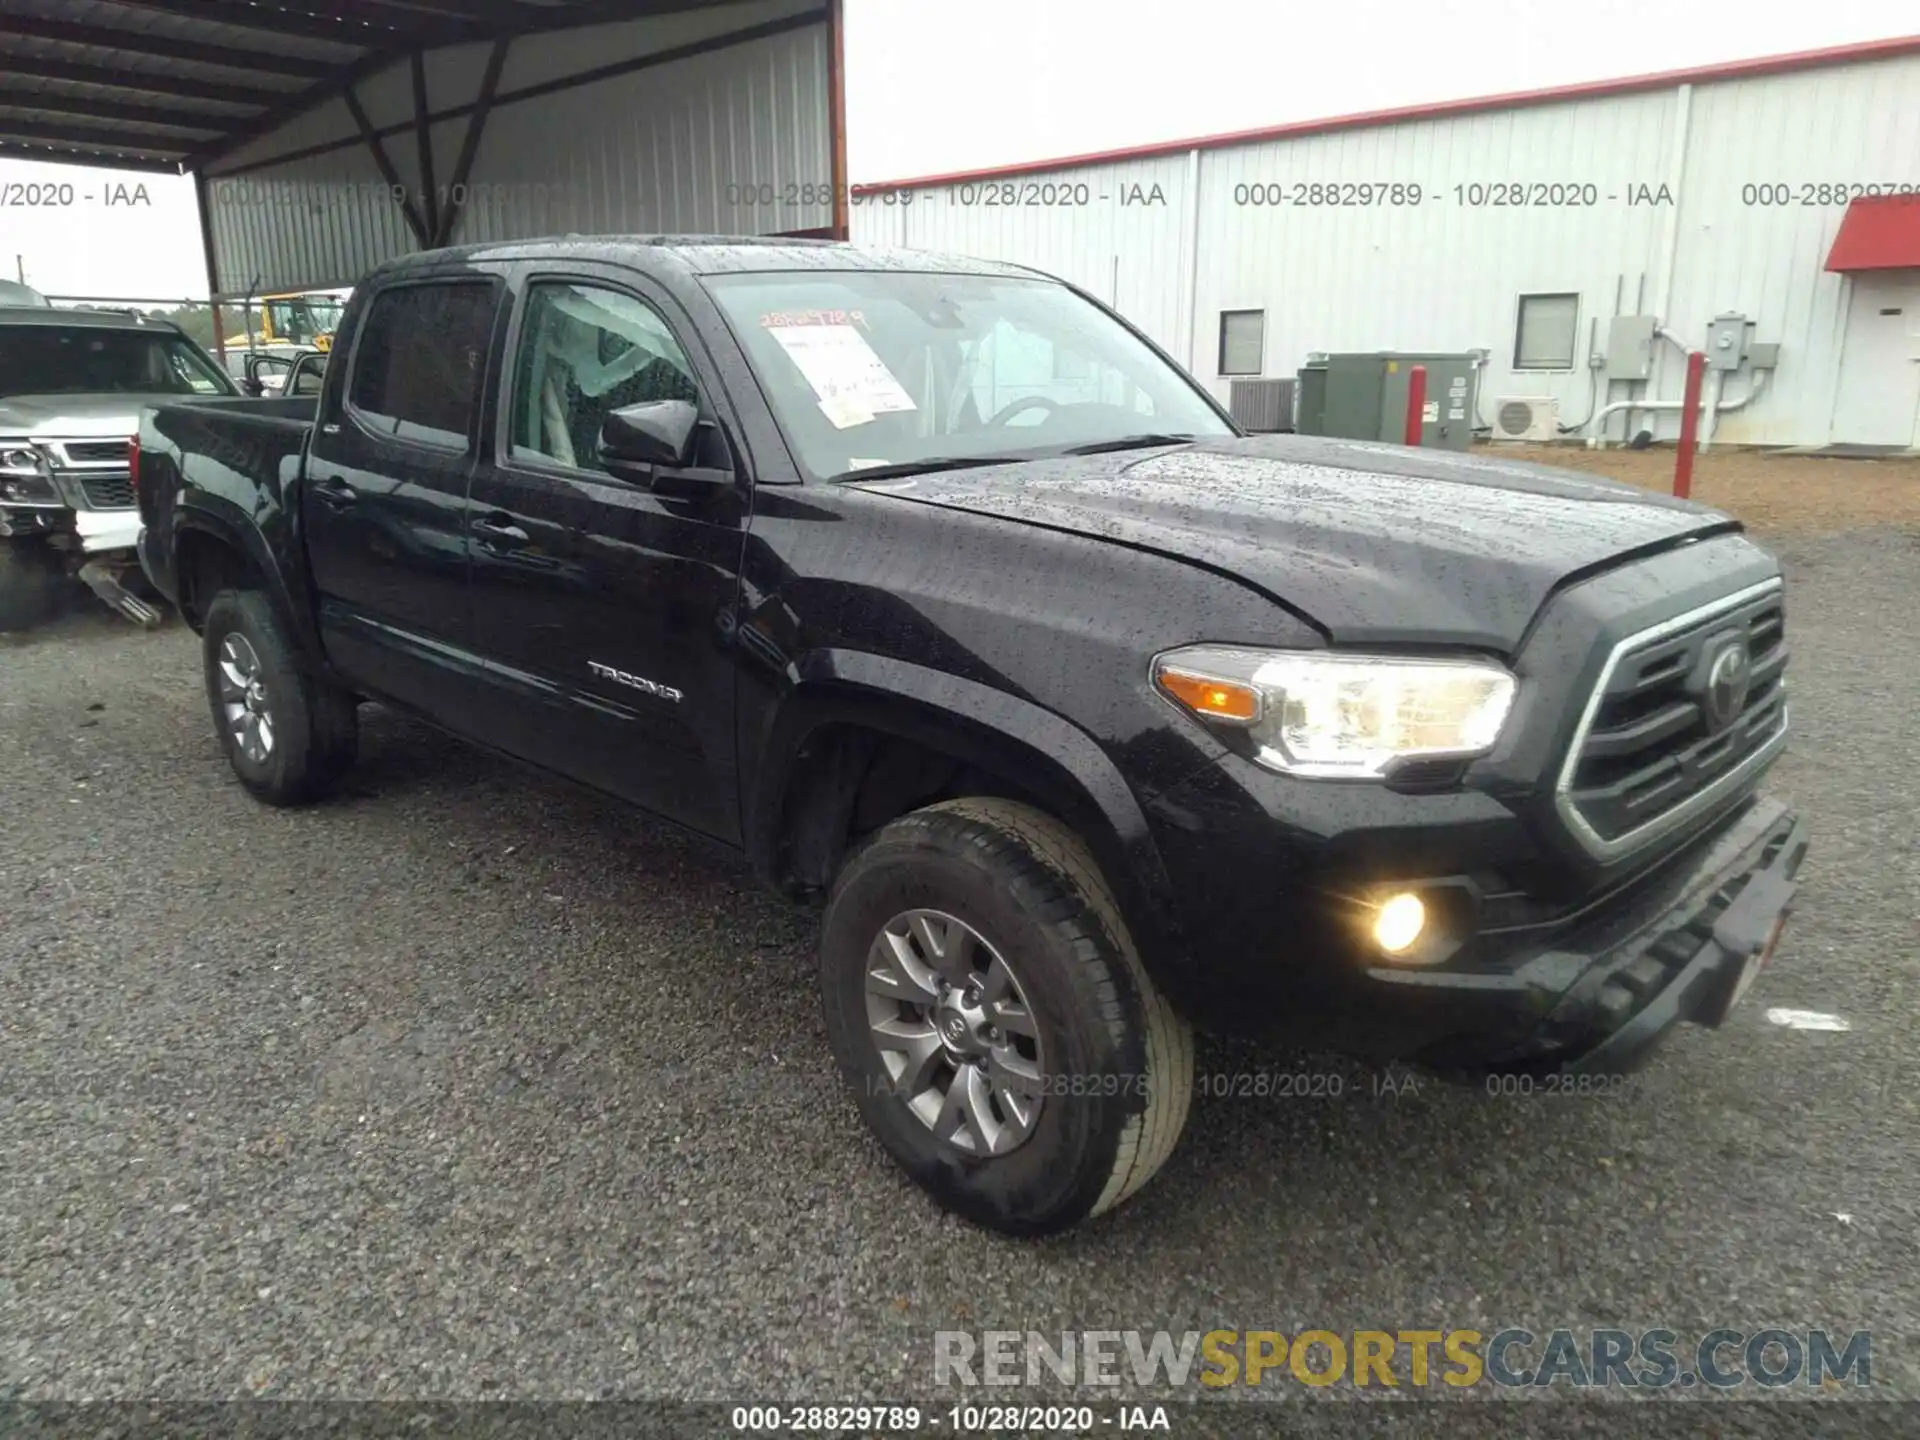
[302, 318]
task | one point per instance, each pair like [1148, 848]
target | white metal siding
[691, 144]
[1122, 244]
[1439, 275]
[1443, 275]
[1858, 123]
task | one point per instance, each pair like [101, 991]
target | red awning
[1878, 232]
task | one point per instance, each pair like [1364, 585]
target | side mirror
[657, 433]
[253, 385]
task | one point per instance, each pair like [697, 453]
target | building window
[1243, 338]
[1543, 338]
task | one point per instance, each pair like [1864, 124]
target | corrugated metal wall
[1116, 231]
[728, 140]
[1333, 273]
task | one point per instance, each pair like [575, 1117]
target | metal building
[327, 137]
[1768, 203]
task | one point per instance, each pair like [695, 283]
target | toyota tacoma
[945, 596]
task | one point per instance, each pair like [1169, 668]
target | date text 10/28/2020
[1478, 194]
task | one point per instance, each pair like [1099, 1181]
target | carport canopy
[171, 85]
[328, 135]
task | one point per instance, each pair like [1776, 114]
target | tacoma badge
[638, 682]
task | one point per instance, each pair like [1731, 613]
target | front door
[1878, 401]
[601, 608]
[384, 503]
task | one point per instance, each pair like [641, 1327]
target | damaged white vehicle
[71, 386]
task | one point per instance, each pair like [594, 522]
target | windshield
[306, 318]
[83, 360]
[866, 368]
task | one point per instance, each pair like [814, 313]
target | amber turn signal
[1211, 696]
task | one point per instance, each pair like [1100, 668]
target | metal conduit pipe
[1595, 440]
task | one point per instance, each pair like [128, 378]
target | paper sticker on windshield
[774, 319]
[844, 412]
[842, 368]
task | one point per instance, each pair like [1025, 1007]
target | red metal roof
[1878, 232]
[1552, 95]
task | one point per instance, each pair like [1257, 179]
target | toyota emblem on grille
[1726, 692]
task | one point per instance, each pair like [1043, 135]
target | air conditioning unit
[1261, 406]
[1525, 417]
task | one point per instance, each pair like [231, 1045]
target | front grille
[108, 491]
[89, 452]
[1657, 743]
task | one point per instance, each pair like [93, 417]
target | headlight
[1323, 715]
[18, 459]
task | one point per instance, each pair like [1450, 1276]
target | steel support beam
[85, 105]
[470, 144]
[204, 200]
[423, 142]
[98, 139]
[145, 42]
[343, 23]
[119, 78]
[145, 163]
[385, 162]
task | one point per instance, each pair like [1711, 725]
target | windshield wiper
[923, 467]
[1126, 442]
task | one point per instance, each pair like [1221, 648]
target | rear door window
[419, 360]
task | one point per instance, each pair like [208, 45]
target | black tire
[316, 732]
[1119, 1060]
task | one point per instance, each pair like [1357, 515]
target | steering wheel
[1025, 402]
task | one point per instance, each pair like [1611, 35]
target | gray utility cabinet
[1310, 402]
[1365, 398]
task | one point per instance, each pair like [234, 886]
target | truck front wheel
[288, 736]
[985, 1001]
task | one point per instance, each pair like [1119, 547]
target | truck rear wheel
[985, 1001]
[288, 736]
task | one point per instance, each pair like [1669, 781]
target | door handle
[335, 492]
[500, 530]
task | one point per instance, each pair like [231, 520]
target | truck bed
[232, 460]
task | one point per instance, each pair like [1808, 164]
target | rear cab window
[419, 360]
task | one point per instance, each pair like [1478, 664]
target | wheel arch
[829, 738]
[212, 549]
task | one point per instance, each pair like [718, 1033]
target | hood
[1374, 543]
[67, 417]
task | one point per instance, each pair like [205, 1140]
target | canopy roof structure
[172, 85]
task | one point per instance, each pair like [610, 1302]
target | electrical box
[1630, 347]
[1310, 399]
[1764, 357]
[1365, 398]
[1727, 341]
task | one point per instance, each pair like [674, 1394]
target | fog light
[1399, 923]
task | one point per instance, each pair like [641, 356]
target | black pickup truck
[942, 593]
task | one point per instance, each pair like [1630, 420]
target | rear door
[601, 607]
[384, 501]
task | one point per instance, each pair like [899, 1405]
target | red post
[1689, 424]
[1416, 402]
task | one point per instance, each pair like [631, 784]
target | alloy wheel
[243, 698]
[954, 1032]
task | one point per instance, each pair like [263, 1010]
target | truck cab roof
[705, 255]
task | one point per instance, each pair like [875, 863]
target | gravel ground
[1773, 492]
[467, 1084]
